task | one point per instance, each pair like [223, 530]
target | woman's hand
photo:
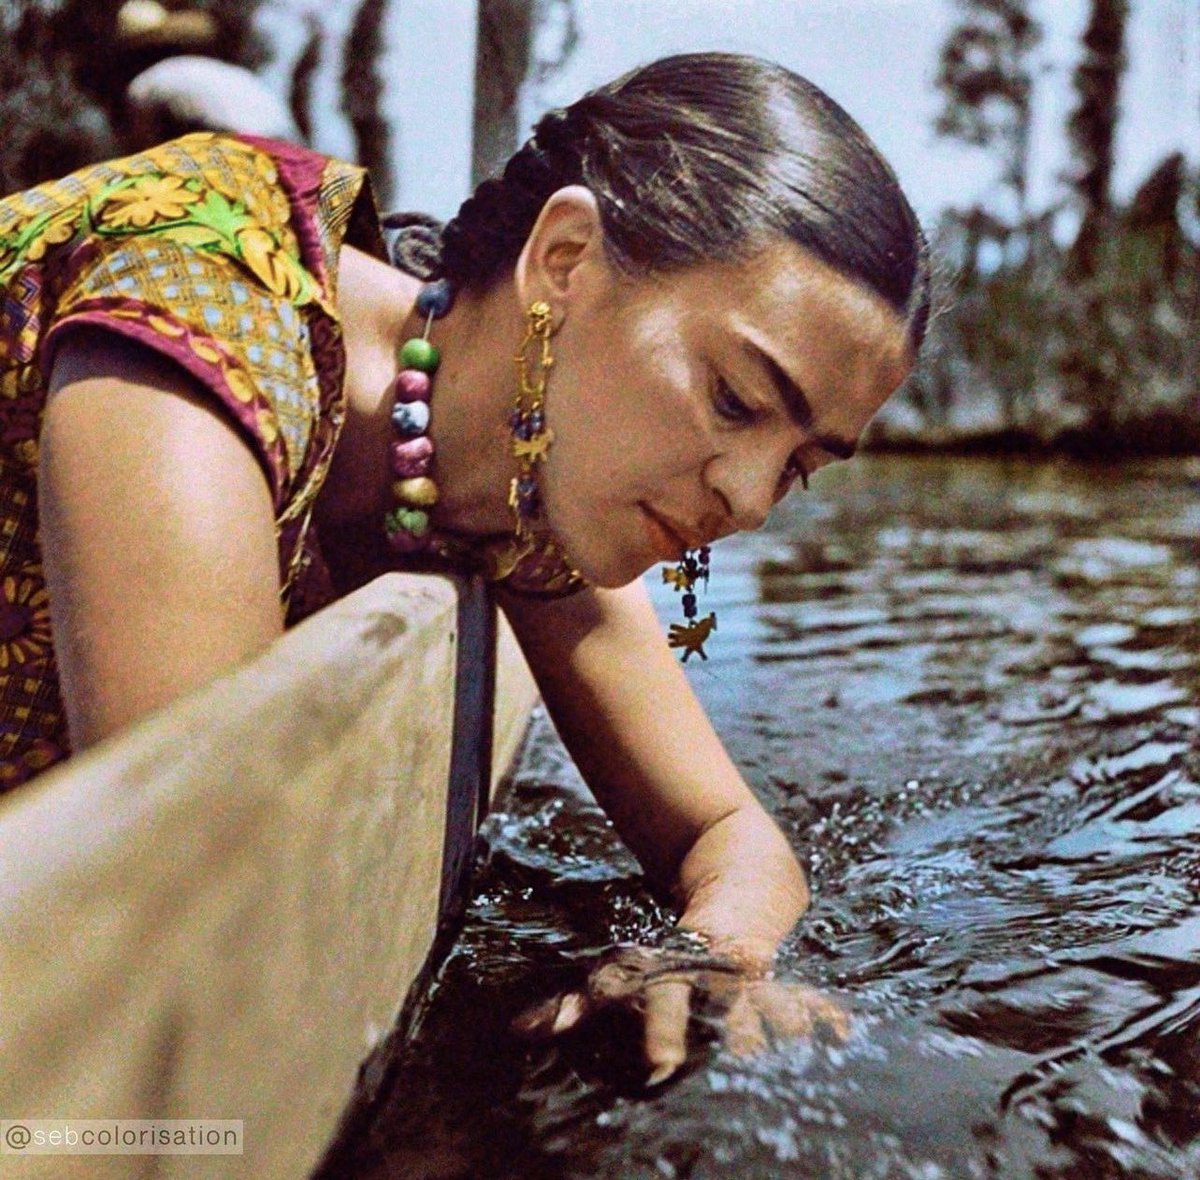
[661, 986]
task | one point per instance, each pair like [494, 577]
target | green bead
[409, 520]
[414, 521]
[418, 353]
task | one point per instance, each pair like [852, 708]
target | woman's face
[685, 405]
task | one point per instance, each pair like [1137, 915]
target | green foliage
[1094, 343]
[986, 79]
[1109, 362]
[50, 124]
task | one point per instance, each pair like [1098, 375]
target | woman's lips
[668, 540]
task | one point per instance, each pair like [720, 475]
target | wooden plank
[219, 914]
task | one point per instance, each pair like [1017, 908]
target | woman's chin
[611, 556]
[608, 577]
[608, 571]
[617, 581]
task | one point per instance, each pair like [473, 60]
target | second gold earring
[531, 437]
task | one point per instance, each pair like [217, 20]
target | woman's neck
[473, 461]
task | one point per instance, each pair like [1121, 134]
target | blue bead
[436, 299]
[410, 418]
[689, 606]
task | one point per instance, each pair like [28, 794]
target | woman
[218, 396]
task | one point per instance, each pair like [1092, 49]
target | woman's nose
[746, 487]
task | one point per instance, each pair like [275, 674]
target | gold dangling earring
[532, 561]
[531, 436]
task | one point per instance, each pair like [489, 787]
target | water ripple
[969, 692]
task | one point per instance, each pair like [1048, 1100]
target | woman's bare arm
[633, 725]
[157, 531]
[629, 718]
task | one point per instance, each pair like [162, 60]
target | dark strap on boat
[471, 749]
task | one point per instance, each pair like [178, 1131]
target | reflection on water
[969, 691]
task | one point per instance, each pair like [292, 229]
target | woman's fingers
[668, 1005]
[551, 1017]
[793, 1010]
[744, 1031]
[571, 1011]
[660, 986]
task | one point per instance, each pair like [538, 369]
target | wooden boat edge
[228, 930]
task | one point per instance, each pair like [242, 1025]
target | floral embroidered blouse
[219, 252]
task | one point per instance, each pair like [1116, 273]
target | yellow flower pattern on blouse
[203, 212]
[148, 199]
[24, 619]
[280, 273]
[54, 234]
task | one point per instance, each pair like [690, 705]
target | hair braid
[492, 225]
[416, 244]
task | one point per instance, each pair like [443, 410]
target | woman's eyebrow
[796, 403]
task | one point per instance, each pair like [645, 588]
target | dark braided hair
[704, 157]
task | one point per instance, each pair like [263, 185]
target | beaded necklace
[407, 525]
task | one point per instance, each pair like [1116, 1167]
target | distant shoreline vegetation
[1090, 348]
[1166, 436]
[1043, 354]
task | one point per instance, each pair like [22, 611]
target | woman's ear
[566, 241]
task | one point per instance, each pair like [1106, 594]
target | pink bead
[412, 457]
[412, 386]
[404, 543]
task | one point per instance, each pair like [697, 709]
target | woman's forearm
[648, 751]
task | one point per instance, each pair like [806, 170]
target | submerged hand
[661, 985]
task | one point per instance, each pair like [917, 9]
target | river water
[969, 691]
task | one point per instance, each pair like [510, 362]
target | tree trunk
[505, 46]
[1093, 125]
[362, 89]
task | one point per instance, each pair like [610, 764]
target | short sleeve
[194, 255]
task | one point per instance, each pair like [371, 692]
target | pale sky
[878, 59]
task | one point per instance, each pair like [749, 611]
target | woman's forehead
[785, 293]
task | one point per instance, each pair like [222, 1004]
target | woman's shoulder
[332, 201]
[211, 190]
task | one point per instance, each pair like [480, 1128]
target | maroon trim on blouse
[97, 313]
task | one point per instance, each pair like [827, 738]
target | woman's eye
[730, 406]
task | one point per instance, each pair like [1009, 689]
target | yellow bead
[420, 490]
